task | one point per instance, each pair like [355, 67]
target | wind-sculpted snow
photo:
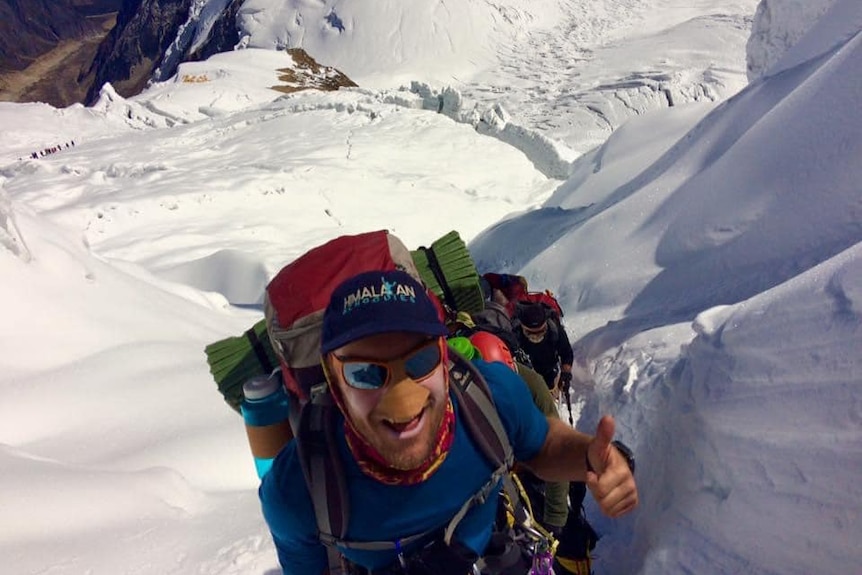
[243, 285]
[390, 38]
[158, 493]
[806, 197]
[751, 490]
[10, 239]
[333, 141]
[136, 115]
[756, 206]
[778, 26]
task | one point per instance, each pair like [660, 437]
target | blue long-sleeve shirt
[380, 512]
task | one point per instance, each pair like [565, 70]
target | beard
[405, 453]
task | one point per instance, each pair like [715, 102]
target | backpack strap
[323, 470]
[483, 421]
[479, 412]
[257, 346]
[440, 276]
[553, 330]
[485, 427]
[316, 447]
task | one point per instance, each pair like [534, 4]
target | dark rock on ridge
[136, 46]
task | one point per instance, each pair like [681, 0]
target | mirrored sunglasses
[417, 364]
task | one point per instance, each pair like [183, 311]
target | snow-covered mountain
[706, 253]
[550, 64]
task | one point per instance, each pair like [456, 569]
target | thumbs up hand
[609, 477]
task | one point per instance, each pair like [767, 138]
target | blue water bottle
[265, 409]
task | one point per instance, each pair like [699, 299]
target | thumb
[599, 449]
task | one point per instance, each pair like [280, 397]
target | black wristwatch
[626, 452]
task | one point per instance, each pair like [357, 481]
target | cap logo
[385, 292]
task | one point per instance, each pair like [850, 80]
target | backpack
[288, 335]
[516, 290]
[547, 300]
[510, 285]
[447, 269]
[494, 319]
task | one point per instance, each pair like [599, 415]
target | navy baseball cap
[378, 302]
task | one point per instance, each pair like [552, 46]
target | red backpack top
[545, 298]
[514, 287]
[298, 295]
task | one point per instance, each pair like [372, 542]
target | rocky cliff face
[64, 51]
[136, 46]
[44, 44]
[30, 28]
[222, 37]
[152, 37]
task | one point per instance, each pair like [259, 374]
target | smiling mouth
[405, 426]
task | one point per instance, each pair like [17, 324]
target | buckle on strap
[480, 497]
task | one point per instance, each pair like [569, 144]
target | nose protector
[402, 400]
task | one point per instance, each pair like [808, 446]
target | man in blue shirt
[409, 462]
